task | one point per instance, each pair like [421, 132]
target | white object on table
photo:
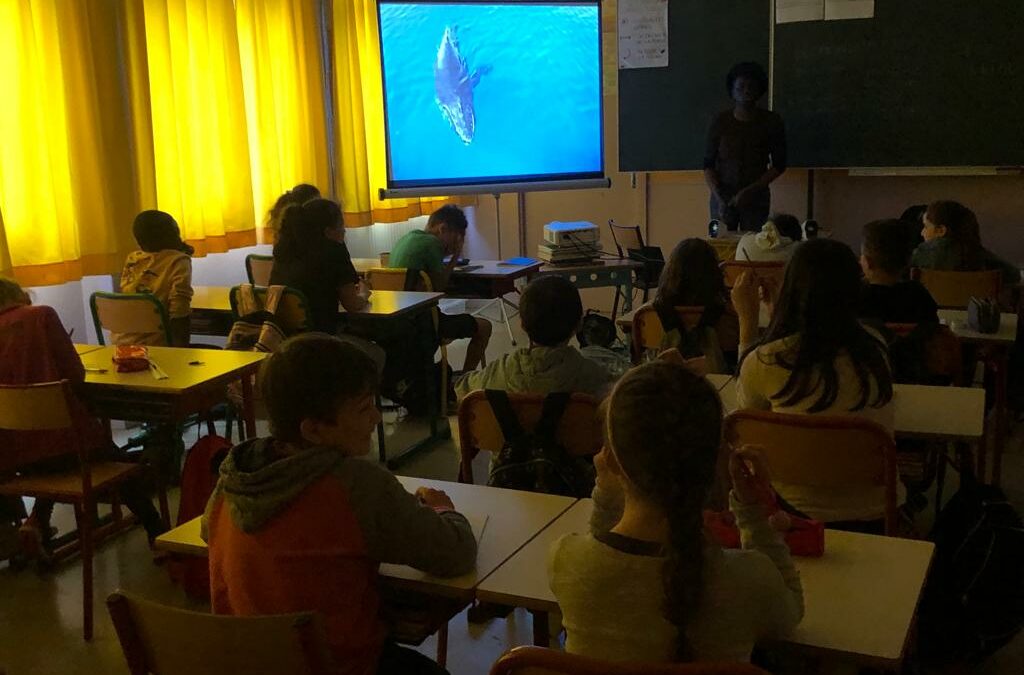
[956, 319]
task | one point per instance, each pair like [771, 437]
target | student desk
[85, 349]
[920, 411]
[860, 597]
[998, 346]
[725, 245]
[196, 381]
[614, 272]
[512, 519]
[491, 280]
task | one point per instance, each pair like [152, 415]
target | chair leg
[444, 382]
[442, 645]
[84, 517]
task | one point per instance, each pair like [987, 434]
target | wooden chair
[732, 269]
[823, 451]
[164, 640]
[628, 238]
[129, 313]
[648, 331]
[579, 431]
[258, 269]
[46, 407]
[292, 312]
[955, 289]
[542, 661]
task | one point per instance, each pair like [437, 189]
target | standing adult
[746, 151]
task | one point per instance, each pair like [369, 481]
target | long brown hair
[818, 303]
[664, 426]
[691, 277]
[962, 230]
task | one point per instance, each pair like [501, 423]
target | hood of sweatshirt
[257, 483]
[552, 369]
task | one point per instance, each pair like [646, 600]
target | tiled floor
[40, 615]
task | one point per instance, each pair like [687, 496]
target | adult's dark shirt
[903, 302]
[318, 274]
[740, 151]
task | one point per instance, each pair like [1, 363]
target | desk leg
[1002, 364]
[541, 634]
[248, 406]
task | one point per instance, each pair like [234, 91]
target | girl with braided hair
[646, 584]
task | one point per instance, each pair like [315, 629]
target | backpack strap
[506, 416]
[274, 295]
[555, 405]
[247, 303]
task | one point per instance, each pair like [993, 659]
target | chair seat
[68, 484]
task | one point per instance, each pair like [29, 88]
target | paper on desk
[838, 10]
[792, 11]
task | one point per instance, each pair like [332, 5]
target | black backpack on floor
[535, 461]
[973, 603]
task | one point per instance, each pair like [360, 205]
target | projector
[575, 234]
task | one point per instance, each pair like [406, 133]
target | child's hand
[751, 481]
[606, 478]
[363, 289]
[435, 499]
[745, 296]
[768, 288]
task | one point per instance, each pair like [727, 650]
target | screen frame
[494, 184]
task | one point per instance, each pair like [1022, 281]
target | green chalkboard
[664, 113]
[924, 83]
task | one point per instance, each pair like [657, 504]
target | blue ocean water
[537, 104]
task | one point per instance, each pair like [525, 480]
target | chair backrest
[648, 331]
[824, 451]
[626, 237]
[292, 312]
[541, 661]
[129, 313]
[732, 269]
[30, 408]
[579, 430]
[258, 269]
[955, 289]
[396, 279]
[164, 640]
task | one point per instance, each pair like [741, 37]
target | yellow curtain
[359, 115]
[65, 175]
[282, 74]
[196, 166]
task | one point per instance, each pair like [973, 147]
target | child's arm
[782, 596]
[398, 528]
[69, 364]
[179, 301]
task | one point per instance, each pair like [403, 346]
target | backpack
[973, 603]
[198, 479]
[256, 330]
[535, 461]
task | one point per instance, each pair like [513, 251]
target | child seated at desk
[297, 196]
[300, 521]
[424, 251]
[816, 357]
[35, 348]
[886, 296]
[550, 311]
[646, 584]
[162, 267]
[952, 241]
[692, 278]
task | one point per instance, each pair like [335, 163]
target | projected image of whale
[454, 84]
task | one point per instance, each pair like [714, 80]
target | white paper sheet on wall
[643, 33]
[792, 11]
[839, 10]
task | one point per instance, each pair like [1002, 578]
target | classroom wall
[677, 202]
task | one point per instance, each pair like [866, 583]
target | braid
[665, 428]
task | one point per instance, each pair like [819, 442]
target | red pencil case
[803, 536]
[130, 358]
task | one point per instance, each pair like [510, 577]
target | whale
[454, 84]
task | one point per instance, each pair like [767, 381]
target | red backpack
[198, 479]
